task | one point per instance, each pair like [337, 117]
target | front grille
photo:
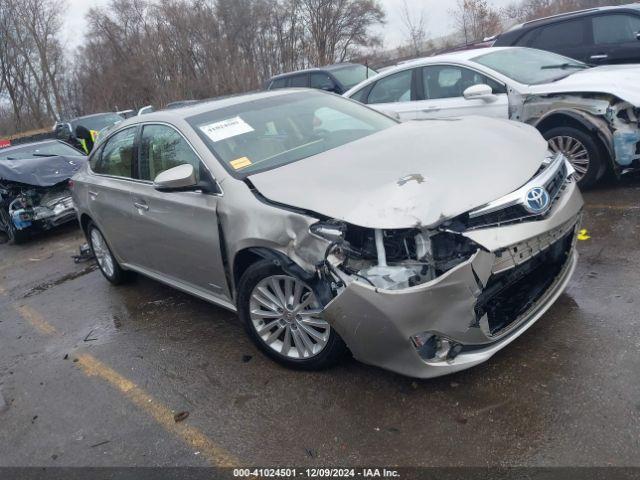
[523, 251]
[511, 294]
[517, 213]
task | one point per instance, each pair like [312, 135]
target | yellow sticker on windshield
[240, 163]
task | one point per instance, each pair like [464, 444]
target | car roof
[327, 68]
[458, 56]
[569, 15]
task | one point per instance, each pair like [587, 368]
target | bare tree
[338, 27]
[475, 20]
[415, 28]
[31, 60]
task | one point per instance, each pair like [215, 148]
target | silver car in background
[421, 247]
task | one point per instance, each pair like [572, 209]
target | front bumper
[377, 325]
[44, 217]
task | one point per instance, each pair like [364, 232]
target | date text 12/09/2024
[316, 472]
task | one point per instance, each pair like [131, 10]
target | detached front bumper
[466, 305]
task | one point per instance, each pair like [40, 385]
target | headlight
[329, 231]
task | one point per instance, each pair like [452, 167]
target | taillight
[70, 184]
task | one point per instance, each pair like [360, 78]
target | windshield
[97, 122]
[529, 66]
[352, 75]
[44, 149]
[263, 134]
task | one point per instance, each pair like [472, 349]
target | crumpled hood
[41, 171]
[413, 174]
[621, 81]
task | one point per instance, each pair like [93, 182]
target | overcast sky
[438, 22]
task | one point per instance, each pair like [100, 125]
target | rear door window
[615, 28]
[299, 81]
[116, 157]
[391, 89]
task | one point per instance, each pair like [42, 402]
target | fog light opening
[432, 347]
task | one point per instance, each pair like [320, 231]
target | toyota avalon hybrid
[420, 247]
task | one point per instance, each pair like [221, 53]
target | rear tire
[107, 263]
[283, 321]
[582, 151]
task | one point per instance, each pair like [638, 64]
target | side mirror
[479, 92]
[182, 177]
[638, 35]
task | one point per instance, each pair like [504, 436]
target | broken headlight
[332, 231]
[397, 259]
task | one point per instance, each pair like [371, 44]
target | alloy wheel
[575, 151]
[102, 253]
[287, 317]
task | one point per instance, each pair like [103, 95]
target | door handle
[602, 56]
[430, 109]
[93, 195]
[141, 206]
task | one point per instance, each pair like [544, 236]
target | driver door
[178, 230]
[442, 89]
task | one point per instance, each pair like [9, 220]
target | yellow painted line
[92, 367]
[36, 320]
[193, 437]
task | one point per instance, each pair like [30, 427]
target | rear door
[442, 89]
[395, 93]
[177, 230]
[616, 38]
[109, 200]
[571, 38]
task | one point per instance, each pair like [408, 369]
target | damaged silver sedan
[422, 248]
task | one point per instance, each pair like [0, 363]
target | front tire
[582, 151]
[108, 264]
[283, 318]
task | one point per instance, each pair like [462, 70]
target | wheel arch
[246, 257]
[596, 127]
[84, 223]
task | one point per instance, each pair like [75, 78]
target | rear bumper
[377, 325]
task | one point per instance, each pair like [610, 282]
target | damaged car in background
[422, 248]
[34, 191]
[589, 114]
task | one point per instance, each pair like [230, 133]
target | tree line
[140, 52]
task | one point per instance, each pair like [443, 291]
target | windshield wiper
[563, 66]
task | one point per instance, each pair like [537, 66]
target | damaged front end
[430, 301]
[35, 194]
[614, 122]
[32, 208]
